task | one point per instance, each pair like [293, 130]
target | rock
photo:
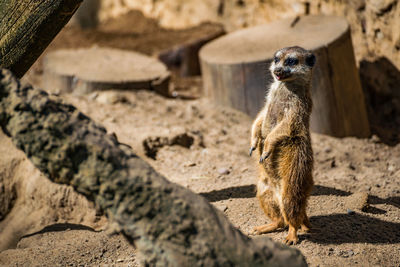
[357, 201]
[391, 168]
[8, 195]
[375, 139]
[111, 97]
[222, 207]
[350, 212]
[26, 193]
[192, 164]
[93, 96]
[183, 139]
[152, 145]
[351, 166]
[224, 171]
[380, 6]
[333, 163]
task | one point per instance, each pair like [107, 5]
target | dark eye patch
[291, 61]
[310, 60]
[276, 59]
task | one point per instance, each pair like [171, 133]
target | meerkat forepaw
[264, 156]
[251, 150]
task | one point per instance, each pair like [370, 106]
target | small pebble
[223, 171]
[375, 139]
[390, 168]
[333, 163]
[93, 96]
[222, 208]
[350, 212]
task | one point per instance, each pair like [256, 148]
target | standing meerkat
[281, 135]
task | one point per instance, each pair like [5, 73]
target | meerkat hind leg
[268, 228]
[271, 209]
[306, 225]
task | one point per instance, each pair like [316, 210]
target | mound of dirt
[70, 245]
[30, 201]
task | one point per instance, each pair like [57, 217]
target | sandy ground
[217, 166]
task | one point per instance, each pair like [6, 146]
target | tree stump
[235, 71]
[83, 71]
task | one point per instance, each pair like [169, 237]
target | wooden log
[27, 27]
[82, 71]
[184, 58]
[170, 225]
[235, 71]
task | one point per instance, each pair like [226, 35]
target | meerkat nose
[278, 73]
[278, 70]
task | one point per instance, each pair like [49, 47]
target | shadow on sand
[249, 191]
[355, 228]
[333, 228]
[59, 227]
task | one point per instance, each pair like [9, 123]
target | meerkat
[281, 136]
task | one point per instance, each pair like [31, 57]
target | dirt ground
[217, 166]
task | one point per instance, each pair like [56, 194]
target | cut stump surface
[235, 71]
[85, 70]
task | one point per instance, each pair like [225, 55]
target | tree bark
[27, 27]
[170, 225]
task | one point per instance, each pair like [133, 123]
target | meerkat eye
[291, 61]
[276, 60]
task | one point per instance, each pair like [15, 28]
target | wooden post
[235, 71]
[27, 27]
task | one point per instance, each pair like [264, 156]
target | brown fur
[281, 136]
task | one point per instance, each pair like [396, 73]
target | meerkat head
[292, 63]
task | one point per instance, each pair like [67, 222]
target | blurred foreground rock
[29, 201]
[169, 224]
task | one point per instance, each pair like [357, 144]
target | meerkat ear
[310, 60]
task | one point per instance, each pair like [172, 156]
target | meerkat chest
[278, 105]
